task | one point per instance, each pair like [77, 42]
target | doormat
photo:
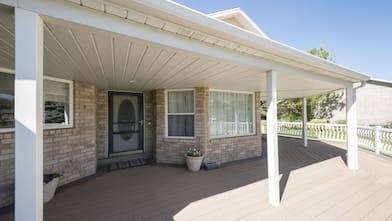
[123, 165]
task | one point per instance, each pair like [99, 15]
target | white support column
[28, 115]
[352, 133]
[304, 122]
[272, 140]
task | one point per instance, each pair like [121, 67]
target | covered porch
[96, 47]
[315, 185]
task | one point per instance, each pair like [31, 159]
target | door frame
[109, 147]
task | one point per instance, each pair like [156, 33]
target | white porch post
[272, 140]
[28, 115]
[352, 134]
[304, 122]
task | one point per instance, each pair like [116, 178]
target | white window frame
[71, 105]
[253, 113]
[167, 114]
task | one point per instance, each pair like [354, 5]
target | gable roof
[238, 18]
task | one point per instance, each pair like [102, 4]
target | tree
[321, 52]
[318, 107]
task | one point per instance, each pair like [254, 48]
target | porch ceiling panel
[7, 48]
[113, 61]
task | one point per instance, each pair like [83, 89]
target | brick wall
[70, 151]
[6, 168]
[102, 123]
[172, 150]
[148, 122]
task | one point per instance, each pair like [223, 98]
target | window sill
[55, 127]
[48, 127]
[231, 136]
[180, 138]
[7, 130]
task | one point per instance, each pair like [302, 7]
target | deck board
[315, 185]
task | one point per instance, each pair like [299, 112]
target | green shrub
[319, 121]
[340, 122]
[389, 125]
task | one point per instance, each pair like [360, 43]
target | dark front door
[125, 122]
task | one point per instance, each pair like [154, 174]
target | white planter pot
[193, 163]
[50, 189]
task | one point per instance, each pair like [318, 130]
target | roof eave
[223, 30]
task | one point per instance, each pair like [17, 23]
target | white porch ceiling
[111, 61]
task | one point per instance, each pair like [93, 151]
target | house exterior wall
[148, 122]
[71, 151]
[172, 150]
[74, 152]
[373, 105]
[102, 123]
[7, 154]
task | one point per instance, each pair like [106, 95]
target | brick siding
[172, 150]
[71, 151]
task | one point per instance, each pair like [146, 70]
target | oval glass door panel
[125, 117]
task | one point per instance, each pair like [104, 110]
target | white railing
[371, 138]
[366, 137]
[385, 137]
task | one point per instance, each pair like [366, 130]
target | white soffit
[7, 41]
[184, 21]
[111, 61]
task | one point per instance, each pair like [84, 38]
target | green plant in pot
[51, 182]
[194, 159]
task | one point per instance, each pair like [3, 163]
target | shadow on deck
[235, 191]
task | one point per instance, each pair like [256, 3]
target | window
[58, 105]
[231, 113]
[58, 108]
[180, 113]
[6, 101]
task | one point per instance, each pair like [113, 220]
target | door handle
[141, 122]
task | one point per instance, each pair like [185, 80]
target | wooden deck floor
[315, 185]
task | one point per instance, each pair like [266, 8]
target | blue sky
[357, 33]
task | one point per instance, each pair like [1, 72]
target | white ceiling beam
[93, 18]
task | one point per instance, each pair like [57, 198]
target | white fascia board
[89, 17]
[224, 30]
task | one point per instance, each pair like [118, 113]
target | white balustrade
[368, 137]
[386, 141]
